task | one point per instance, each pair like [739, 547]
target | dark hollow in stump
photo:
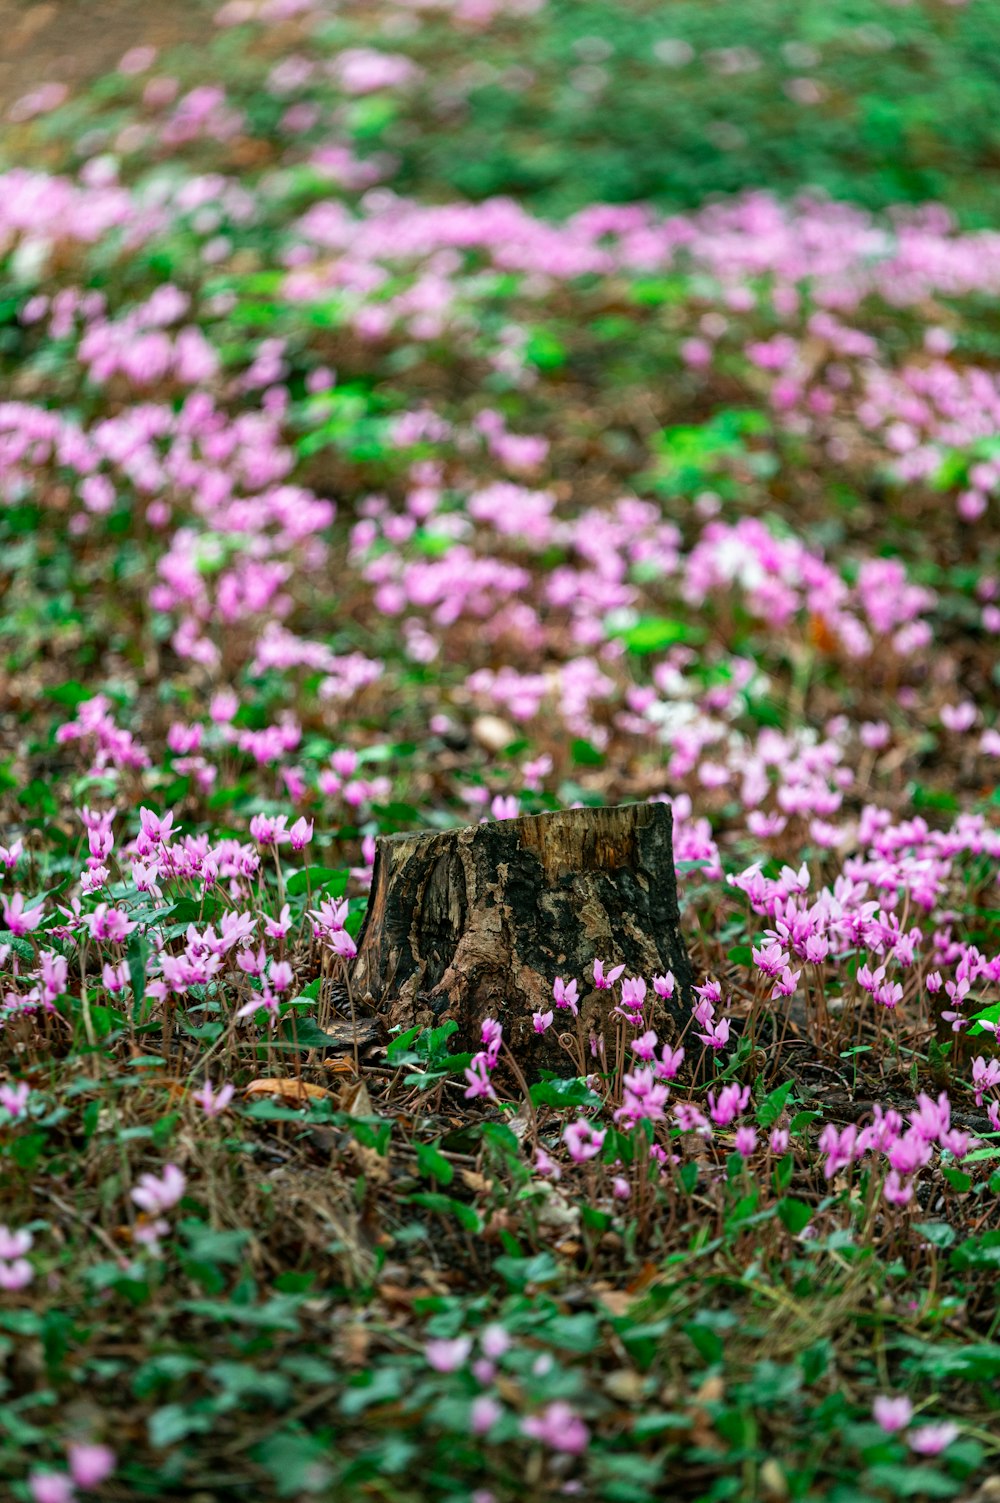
[477, 922]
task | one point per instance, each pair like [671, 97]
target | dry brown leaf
[493, 733]
[617, 1302]
[287, 1087]
[355, 1100]
[625, 1386]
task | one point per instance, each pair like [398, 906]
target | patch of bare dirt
[73, 41]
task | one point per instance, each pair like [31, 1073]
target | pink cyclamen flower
[892, 1414]
[341, 943]
[746, 1141]
[731, 1100]
[16, 1275]
[931, 1440]
[603, 982]
[644, 1046]
[14, 1244]
[583, 1140]
[213, 1103]
[670, 1062]
[542, 1020]
[50, 1487]
[90, 1465]
[485, 1412]
[717, 1036]
[15, 1270]
[14, 1099]
[447, 1356]
[301, 833]
[545, 1164]
[155, 1196]
[559, 1427]
[564, 994]
[494, 1340]
[16, 919]
[477, 1075]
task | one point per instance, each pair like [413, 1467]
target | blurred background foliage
[588, 100]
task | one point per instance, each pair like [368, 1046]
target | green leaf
[380, 1386]
[432, 1163]
[937, 1233]
[137, 957]
[774, 1104]
[707, 1343]
[656, 634]
[331, 881]
[794, 1214]
[467, 1216]
[520, 1273]
[296, 1461]
[570, 1091]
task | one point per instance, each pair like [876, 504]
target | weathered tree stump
[477, 922]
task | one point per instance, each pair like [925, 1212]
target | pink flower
[278, 928]
[604, 982]
[494, 1341]
[731, 1100]
[545, 1164]
[301, 833]
[559, 1428]
[14, 1244]
[931, 1440]
[670, 1061]
[479, 1081]
[491, 1037]
[16, 919]
[16, 1275]
[14, 1099]
[213, 1103]
[154, 1195]
[447, 1356]
[564, 994]
[583, 1140]
[717, 1035]
[484, 1414]
[746, 1141]
[897, 1191]
[892, 1414]
[542, 1020]
[281, 976]
[269, 831]
[50, 1487]
[341, 943]
[90, 1465]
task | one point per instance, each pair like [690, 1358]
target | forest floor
[399, 430]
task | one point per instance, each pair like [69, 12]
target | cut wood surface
[477, 922]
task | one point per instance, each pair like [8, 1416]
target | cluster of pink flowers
[904, 1149]
[484, 1062]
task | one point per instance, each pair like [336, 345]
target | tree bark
[477, 922]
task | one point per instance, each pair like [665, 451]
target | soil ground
[69, 41]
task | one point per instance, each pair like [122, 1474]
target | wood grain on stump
[477, 922]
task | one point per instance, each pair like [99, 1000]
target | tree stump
[477, 922]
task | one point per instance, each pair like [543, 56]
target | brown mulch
[73, 41]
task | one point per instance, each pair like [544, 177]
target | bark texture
[478, 922]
